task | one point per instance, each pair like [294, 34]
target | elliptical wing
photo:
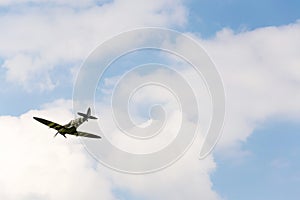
[53, 125]
[89, 135]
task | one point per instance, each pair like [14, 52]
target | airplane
[71, 127]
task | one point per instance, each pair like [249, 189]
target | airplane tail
[87, 115]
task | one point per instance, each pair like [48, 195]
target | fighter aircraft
[71, 127]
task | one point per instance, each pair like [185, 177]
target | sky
[254, 46]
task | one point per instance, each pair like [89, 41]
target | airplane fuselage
[76, 122]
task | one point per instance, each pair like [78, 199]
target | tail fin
[87, 115]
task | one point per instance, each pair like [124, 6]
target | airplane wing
[84, 134]
[63, 129]
[53, 125]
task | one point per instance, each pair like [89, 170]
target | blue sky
[208, 17]
[269, 170]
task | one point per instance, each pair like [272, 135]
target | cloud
[261, 78]
[261, 82]
[260, 70]
[36, 166]
[24, 69]
[50, 163]
[188, 178]
[69, 3]
[38, 39]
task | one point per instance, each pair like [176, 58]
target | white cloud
[260, 70]
[261, 81]
[38, 166]
[189, 177]
[34, 165]
[24, 69]
[37, 39]
[76, 3]
[143, 98]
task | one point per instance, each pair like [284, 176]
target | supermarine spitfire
[71, 127]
